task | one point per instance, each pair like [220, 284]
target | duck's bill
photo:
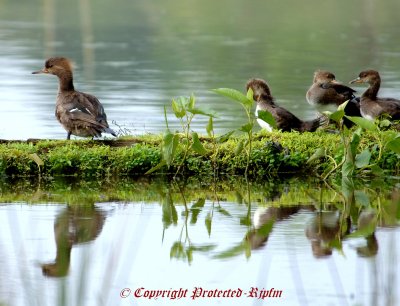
[40, 71]
[357, 80]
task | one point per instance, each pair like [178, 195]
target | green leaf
[376, 170]
[196, 209]
[232, 252]
[394, 145]
[385, 123]
[223, 212]
[36, 159]
[320, 152]
[155, 168]
[342, 106]
[364, 123]
[239, 147]
[336, 116]
[362, 198]
[347, 168]
[178, 108]
[362, 159]
[246, 128]
[208, 223]
[225, 137]
[177, 251]
[235, 95]
[198, 111]
[170, 144]
[197, 146]
[250, 94]
[354, 143]
[266, 228]
[210, 127]
[267, 117]
[203, 248]
[192, 101]
[169, 213]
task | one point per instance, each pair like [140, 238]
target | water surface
[136, 56]
[68, 242]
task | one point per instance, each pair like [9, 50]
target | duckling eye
[50, 66]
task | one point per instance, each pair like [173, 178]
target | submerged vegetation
[367, 149]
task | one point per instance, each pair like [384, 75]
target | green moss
[272, 153]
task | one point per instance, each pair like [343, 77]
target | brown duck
[80, 114]
[371, 106]
[325, 91]
[284, 119]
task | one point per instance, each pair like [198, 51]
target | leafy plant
[185, 110]
[357, 160]
[246, 101]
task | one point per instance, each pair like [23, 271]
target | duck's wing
[285, 120]
[339, 88]
[93, 104]
[83, 107]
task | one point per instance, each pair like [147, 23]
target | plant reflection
[333, 212]
[183, 248]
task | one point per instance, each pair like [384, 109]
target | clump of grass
[272, 153]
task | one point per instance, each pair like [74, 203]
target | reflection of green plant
[183, 248]
[358, 160]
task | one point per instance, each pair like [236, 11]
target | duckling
[370, 105]
[284, 119]
[79, 113]
[326, 91]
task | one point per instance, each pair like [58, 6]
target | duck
[325, 91]
[79, 113]
[285, 120]
[371, 105]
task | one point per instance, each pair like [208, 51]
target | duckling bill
[79, 113]
[284, 119]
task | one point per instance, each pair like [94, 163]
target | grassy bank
[272, 153]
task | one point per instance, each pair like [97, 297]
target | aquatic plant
[246, 101]
[185, 110]
[358, 158]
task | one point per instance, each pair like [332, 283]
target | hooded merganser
[79, 113]
[284, 119]
[325, 91]
[370, 105]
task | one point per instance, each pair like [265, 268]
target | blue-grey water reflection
[82, 243]
[136, 56]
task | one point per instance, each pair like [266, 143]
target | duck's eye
[50, 66]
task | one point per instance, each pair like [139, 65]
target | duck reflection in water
[74, 225]
[263, 221]
[324, 229]
[265, 218]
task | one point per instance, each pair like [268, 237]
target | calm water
[83, 243]
[137, 55]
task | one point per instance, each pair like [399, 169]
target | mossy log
[272, 154]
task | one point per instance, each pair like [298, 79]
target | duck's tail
[312, 125]
[110, 131]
